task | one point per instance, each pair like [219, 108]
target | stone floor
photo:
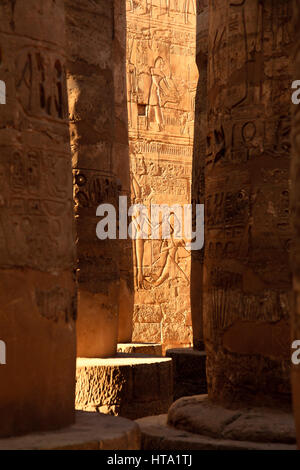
[92, 431]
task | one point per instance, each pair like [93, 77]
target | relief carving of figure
[158, 88]
[162, 90]
[172, 250]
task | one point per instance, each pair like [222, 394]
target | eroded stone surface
[127, 385]
[247, 279]
[121, 165]
[92, 115]
[156, 434]
[92, 431]
[37, 255]
[200, 416]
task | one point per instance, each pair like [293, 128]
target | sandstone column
[198, 189]
[247, 280]
[90, 30]
[246, 274]
[295, 205]
[121, 162]
[37, 293]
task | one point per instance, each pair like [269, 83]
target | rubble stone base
[92, 431]
[193, 423]
[127, 385]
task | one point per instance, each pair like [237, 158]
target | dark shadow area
[198, 183]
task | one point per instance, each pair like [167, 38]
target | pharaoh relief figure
[142, 228]
[137, 174]
[131, 82]
[162, 90]
[166, 267]
[158, 88]
[172, 250]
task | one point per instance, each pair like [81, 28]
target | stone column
[37, 290]
[121, 162]
[246, 273]
[90, 31]
[198, 189]
[295, 205]
[247, 281]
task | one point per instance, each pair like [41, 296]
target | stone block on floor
[127, 385]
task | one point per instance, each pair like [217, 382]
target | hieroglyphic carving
[35, 180]
[247, 276]
[93, 119]
[182, 11]
[34, 192]
[37, 242]
[55, 304]
[161, 80]
[40, 84]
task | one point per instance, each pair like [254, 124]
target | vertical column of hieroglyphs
[247, 279]
[161, 82]
[121, 163]
[295, 214]
[198, 189]
[90, 29]
[37, 293]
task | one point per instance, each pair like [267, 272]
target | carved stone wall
[90, 32]
[161, 84]
[295, 213]
[37, 289]
[247, 279]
